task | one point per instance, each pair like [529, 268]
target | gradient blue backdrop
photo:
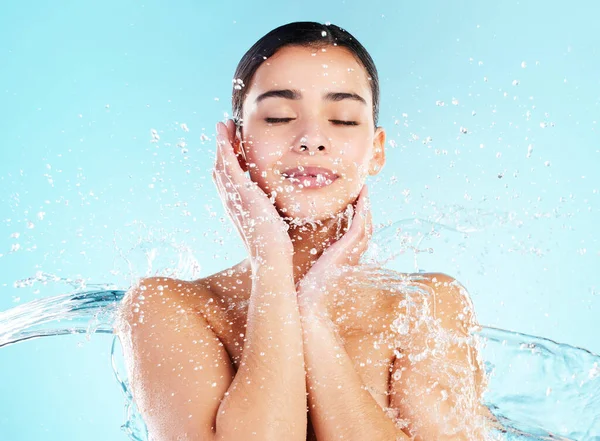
[87, 193]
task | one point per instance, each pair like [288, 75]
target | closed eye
[335, 121]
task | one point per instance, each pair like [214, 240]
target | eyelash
[342, 123]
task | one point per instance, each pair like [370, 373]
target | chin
[315, 210]
[300, 206]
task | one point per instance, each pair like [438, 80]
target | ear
[238, 149]
[378, 160]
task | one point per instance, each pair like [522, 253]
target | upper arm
[178, 369]
[438, 379]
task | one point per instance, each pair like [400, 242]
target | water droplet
[529, 150]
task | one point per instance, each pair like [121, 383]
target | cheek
[262, 159]
[263, 152]
[356, 158]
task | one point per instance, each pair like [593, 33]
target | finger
[362, 226]
[225, 177]
[227, 158]
[361, 212]
[237, 175]
[231, 130]
[223, 174]
[232, 136]
[232, 185]
[240, 185]
[219, 150]
[226, 136]
[229, 194]
[365, 210]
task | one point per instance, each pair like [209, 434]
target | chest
[364, 327]
[372, 360]
[366, 339]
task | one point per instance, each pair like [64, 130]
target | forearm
[267, 398]
[339, 405]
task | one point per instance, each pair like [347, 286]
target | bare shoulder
[177, 367]
[445, 297]
[160, 297]
[155, 301]
[451, 303]
[439, 359]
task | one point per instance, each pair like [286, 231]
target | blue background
[89, 196]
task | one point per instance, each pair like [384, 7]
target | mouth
[312, 177]
[309, 172]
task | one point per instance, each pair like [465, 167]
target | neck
[311, 239]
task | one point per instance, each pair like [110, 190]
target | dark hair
[303, 34]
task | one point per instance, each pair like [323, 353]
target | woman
[299, 341]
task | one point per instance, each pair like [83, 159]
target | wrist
[273, 274]
[271, 267]
[272, 258]
[313, 309]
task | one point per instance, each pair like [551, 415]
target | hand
[342, 255]
[263, 231]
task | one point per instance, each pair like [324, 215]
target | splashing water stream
[536, 388]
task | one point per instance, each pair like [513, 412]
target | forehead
[311, 69]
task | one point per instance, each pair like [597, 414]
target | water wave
[538, 389]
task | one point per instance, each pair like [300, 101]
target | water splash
[542, 389]
[88, 312]
[538, 389]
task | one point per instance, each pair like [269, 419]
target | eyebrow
[293, 94]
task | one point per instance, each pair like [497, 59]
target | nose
[311, 145]
[311, 151]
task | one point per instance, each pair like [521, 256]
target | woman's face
[300, 126]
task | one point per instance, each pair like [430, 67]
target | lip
[308, 171]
